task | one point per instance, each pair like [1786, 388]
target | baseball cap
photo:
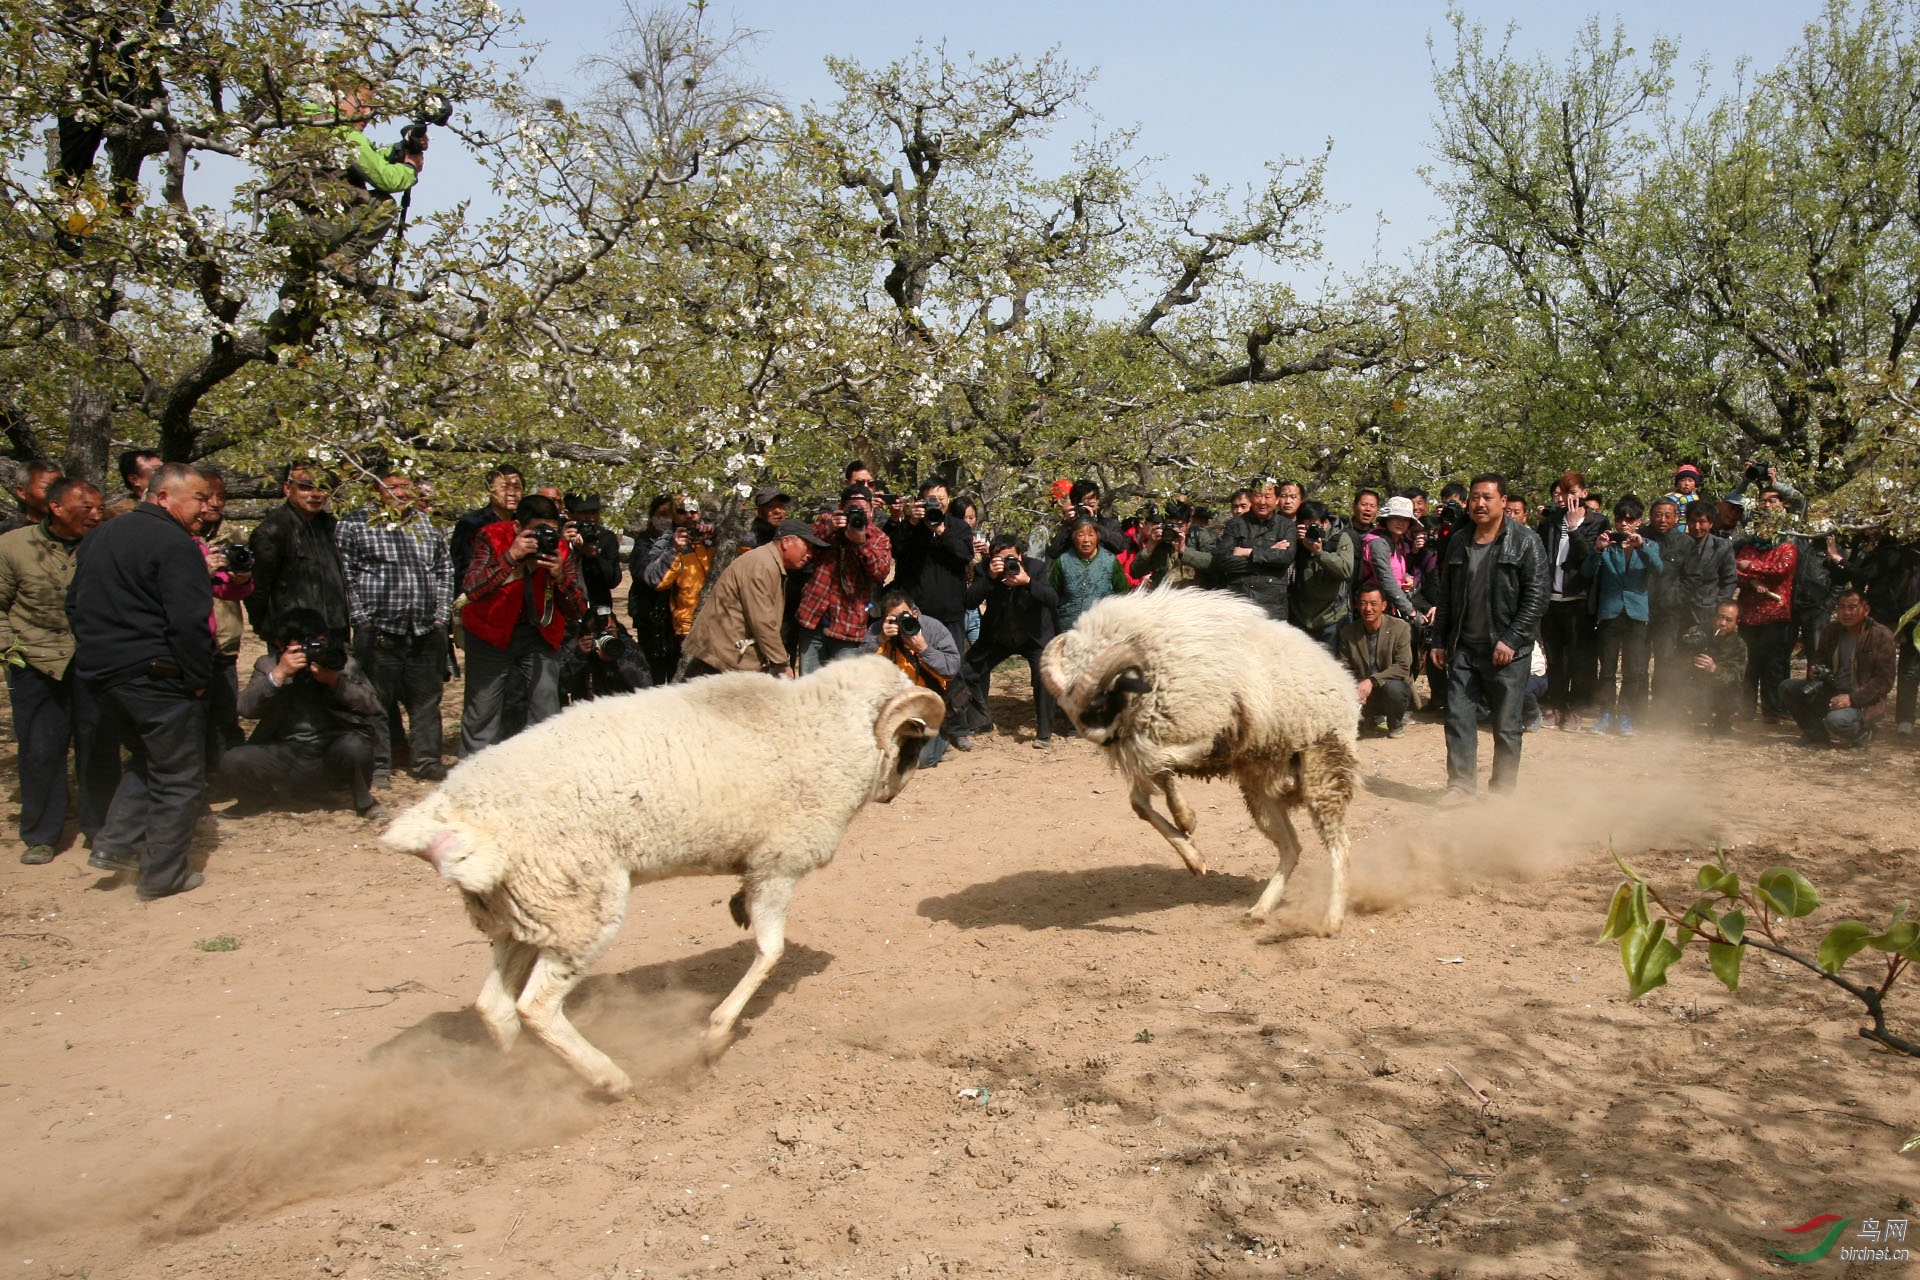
[802, 530]
[767, 493]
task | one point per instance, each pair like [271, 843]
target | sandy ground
[1011, 1035]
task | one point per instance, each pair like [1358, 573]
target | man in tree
[352, 209]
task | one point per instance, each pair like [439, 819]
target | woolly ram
[546, 833]
[1173, 683]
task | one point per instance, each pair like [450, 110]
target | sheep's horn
[1110, 662]
[917, 706]
[1052, 674]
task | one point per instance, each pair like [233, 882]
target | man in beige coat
[738, 627]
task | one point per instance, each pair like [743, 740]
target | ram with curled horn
[1172, 684]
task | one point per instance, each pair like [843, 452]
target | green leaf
[1900, 938]
[1787, 891]
[1627, 911]
[1725, 960]
[1713, 879]
[1646, 953]
[1734, 925]
[1842, 943]
[1700, 913]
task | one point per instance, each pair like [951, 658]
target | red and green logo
[1825, 1246]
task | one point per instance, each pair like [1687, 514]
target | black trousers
[408, 673]
[1624, 645]
[163, 729]
[1567, 632]
[48, 715]
[1389, 698]
[985, 656]
[259, 770]
[1769, 662]
[1473, 681]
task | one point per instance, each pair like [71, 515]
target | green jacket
[35, 568]
[1322, 581]
[366, 160]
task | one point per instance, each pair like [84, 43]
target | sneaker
[1397, 728]
[1569, 722]
[375, 812]
[1603, 724]
[1043, 744]
[1380, 724]
[193, 881]
[1454, 798]
[110, 862]
[432, 771]
[39, 855]
[1534, 725]
[1624, 726]
[1904, 729]
[961, 742]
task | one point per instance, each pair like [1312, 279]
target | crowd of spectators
[123, 623]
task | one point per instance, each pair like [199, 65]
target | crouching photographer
[923, 648]
[1852, 674]
[600, 659]
[317, 714]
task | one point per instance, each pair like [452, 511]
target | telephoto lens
[907, 625]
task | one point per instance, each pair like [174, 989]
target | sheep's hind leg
[1327, 774]
[1142, 800]
[553, 978]
[766, 906]
[512, 961]
[1270, 815]
[1177, 805]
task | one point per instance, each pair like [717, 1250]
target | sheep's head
[906, 721]
[1099, 697]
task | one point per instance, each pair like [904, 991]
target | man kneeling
[316, 711]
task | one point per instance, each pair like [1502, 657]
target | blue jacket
[1623, 581]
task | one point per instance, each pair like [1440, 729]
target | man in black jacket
[597, 546]
[1494, 591]
[1019, 620]
[1568, 534]
[505, 487]
[1255, 555]
[139, 605]
[296, 560]
[319, 718]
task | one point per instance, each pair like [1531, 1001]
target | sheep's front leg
[1270, 815]
[512, 962]
[766, 908]
[1142, 800]
[539, 1006]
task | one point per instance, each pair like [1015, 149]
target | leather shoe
[110, 862]
[193, 881]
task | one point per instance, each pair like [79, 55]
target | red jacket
[497, 592]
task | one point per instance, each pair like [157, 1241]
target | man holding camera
[400, 597]
[1322, 574]
[350, 211]
[296, 558]
[522, 588]
[319, 720]
[1255, 555]
[921, 647]
[856, 562]
[1019, 620]
[681, 574]
[1852, 673]
[139, 604]
[1711, 659]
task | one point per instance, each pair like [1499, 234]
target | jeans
[527, 662]
[1567, 633]
[1806, 702]
[978, 670]
[407, 671]
[49, 714]
[817, 649]
[931, 753]
[1389, 698]
[1769, 660]
[163, 729]
[1474, 679]
[1623, 653]
[258, 770]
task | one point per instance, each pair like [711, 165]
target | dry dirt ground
[1011, 1035]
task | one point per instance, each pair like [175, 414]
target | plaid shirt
[399, 576]
[842, 582]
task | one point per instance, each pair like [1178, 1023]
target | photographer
[296, 557]
[1256, 551]
[597, 546]
[598, 659]
[1624, 568]
[1322, 575]
[318, 718]
[400, 598]
[833, 604]
[1568, 532]
[522, 588]
[230, 565]
[921, 647]
[1851, 676]
[349, 211]
[1712, 657]
[1019, 621]
[937, 537]
[683, 574]
[1378, 650]
[1083, 502]
[1173, 559]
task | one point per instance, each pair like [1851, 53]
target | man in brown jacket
[1860, 657]
[738, 628]
[50, 707]
[1378, 650]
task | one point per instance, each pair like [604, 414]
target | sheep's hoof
[614, 1087]
[712, 1046]
[1253, 915]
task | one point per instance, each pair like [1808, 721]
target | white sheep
[1200, 684]
[743, 775]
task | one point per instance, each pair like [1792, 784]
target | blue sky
[1215, 87]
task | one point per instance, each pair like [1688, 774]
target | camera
[933, 511]
[239, 558]
[907, 625]
[1696, 639]
[546, 539]
[435, 110]
[1756, 472]
[1009, 565]
[322, 652]
[1313, 533]
[857, 518]
[589, 531]
[609, 645]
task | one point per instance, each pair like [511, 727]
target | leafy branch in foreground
[1731, 917]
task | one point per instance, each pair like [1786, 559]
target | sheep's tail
[431, 831]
